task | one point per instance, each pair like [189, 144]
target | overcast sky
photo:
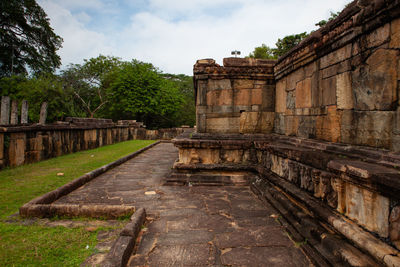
[173, 34]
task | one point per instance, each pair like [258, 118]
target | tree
[324, 22]
[186, 115]
[26, 39]
[263, 52]
[90, 81]
[141, 92]
[288, 42]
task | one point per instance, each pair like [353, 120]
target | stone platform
[193, 225]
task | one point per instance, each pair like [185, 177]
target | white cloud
[174, 34]
[79, 42]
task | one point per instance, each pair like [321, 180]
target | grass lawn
[50, 246]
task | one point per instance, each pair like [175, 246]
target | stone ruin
[315, 133]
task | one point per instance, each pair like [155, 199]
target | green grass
[37, 245]
[44, 246]
[21, 184]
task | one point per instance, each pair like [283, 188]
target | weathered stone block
[367, 208]
[219, 97]
[224, 84]
[378, 36]
[375, 83]
[303, 94]
[24, 112]
[5, 110]
[279, 123]
[291, 100]
[294, 78]
[336, 56]
[307, 126]
[14, 112]
[16, 149]
[328, 127]
[193, 155]
[316, 94]
[223, 125]
[310, 69]
[243, 84]
[373, 128]
[201, 93]
[231, 156]
[268, 98]
[256, 122]
[280, 99]
[328, 87]
[291, 125]
[344, 92]
[395, 34]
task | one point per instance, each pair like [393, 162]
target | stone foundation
[356, 183]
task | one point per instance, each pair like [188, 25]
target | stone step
[207, 178]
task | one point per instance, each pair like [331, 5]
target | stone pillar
[14, 112]
[24, 112]
[5, 110]
[43, 113]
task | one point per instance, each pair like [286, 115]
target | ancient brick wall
[27, 144]
[235, 98]
[342, 83]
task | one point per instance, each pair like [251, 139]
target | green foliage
[186, 115]
[107, 87]
[140, 91]
[324, 22]
[26, 39]
[288, 42]
[263, 52]
[43, 88]
[282, 47]
[88, 82]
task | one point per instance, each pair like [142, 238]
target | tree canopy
[140, 91]
[27, 42]
[88, 82]
[263, 52]
[282, 47]
[288, 42]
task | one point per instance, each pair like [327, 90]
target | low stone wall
[27, 144]
[341, 84]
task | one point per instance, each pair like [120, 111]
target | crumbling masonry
[316, 133]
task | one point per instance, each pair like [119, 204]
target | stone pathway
[192, 226]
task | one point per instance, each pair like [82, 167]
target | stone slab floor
[192, 226]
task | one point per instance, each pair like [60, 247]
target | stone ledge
[363, 239]
[123, 247]
[43, 206]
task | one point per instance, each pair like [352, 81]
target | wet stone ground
[192, 226]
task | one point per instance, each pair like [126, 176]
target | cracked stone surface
[191, 226]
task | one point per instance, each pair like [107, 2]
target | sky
[173, 34]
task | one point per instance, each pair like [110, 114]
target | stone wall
[320, 132]
[341, 84]
[32, 143]
[235, 98]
